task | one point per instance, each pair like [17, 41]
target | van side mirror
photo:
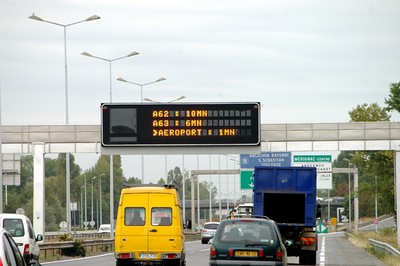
[39, 237]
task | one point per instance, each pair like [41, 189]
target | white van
[20, 228]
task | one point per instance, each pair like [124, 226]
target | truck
[287, 195]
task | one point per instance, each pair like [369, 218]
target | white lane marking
[322, 253]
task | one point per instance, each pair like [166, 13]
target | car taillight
[279, 254]
[213, 252]
[261, 253]
[26, 249]
[307, 241]
[1, 263]
[230, 252]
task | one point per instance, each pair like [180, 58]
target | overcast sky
[304, 60]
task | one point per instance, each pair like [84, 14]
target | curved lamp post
[67, 159]
[141, 84]
[141, 100]
[111, 156]
[174, 100]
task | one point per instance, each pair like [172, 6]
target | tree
[371, 165]
[368, 113]
[393, 102]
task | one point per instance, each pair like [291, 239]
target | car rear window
[14, 226]
[211, 226]
[247, 230]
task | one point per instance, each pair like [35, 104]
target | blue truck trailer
[287, 195]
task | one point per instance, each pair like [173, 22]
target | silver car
[208, 231]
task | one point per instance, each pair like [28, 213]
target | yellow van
[149, 227]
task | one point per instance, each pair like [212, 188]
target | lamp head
[86, 54]
[121, 79]
[132, 54]
[160, 79]
[94, 17]
[35, 17]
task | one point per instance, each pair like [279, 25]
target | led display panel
[188, 124]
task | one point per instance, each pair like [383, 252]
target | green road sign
[246, 179]
[312, 158]
[322, 229]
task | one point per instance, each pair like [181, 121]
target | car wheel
[204, 241]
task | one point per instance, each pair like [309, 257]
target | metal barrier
[94, 245]
[384, 248]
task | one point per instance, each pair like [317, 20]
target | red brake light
[26, 249]
[230, 253]
[261, 253]
[279, 254]
[213, 252]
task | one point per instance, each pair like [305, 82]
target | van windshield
[14, 226]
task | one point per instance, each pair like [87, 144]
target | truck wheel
[308, 258]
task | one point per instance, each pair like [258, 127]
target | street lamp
[101, 212]
[141, 100]
[110, 61]
[92, 221]
[111, 156]
[67, 159]
[141, 85]
[348, 174]
[174, 100]
[82, 188]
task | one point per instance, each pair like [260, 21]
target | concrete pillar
[192, 201]
[38, 192]
[356, 208]
[397, 194]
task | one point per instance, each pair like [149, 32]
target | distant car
[247, 241]
[9, 252]
[104, 228]
[208, 231]
[335, 199]
[20, 228]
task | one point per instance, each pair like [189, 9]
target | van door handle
[153, 230]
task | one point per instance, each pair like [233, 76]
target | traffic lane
[100, 260]
[336, 249]
[197, 254]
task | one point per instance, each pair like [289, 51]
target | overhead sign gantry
[180, 124]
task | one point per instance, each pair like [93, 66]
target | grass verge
[387, 235]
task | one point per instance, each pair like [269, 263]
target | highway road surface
[334, 249]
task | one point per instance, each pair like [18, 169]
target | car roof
[211, 222]
[13, 216]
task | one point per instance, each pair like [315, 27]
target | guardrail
[384, 248]
[93, 245]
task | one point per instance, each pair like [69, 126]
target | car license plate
[243, 253]
[147, 256]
